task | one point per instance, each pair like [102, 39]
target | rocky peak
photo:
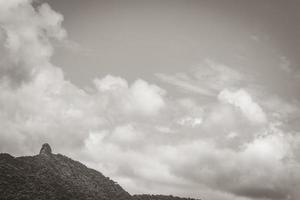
[54, 176]
[46, 149]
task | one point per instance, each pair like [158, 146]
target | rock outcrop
[46, 150]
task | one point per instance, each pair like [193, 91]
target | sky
[190, 98]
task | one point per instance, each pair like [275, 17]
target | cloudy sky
[182, 97]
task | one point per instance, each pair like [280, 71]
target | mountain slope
[158, 197]
[50, 176]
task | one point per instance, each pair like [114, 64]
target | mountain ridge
[57, 177]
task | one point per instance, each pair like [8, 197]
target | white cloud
[165, 129]
[259, 169]
[190, 121]
[242, 100]
[126, 135]
[147, 98]
[232, 135]
[272, 147]
[184, 84]
[140, 97]
[109, 83]
[28, 35]
[208, 79]
[217, 76]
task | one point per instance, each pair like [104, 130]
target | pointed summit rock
[46, 149]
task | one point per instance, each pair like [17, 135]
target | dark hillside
[50, 176]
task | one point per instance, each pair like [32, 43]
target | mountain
[158, 197]
[49, 176]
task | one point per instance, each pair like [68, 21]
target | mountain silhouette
[49, 176]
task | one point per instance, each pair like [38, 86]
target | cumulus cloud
[242, 100]
[140, 97]
[28, 35]
[261, 169]
[44, 105]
